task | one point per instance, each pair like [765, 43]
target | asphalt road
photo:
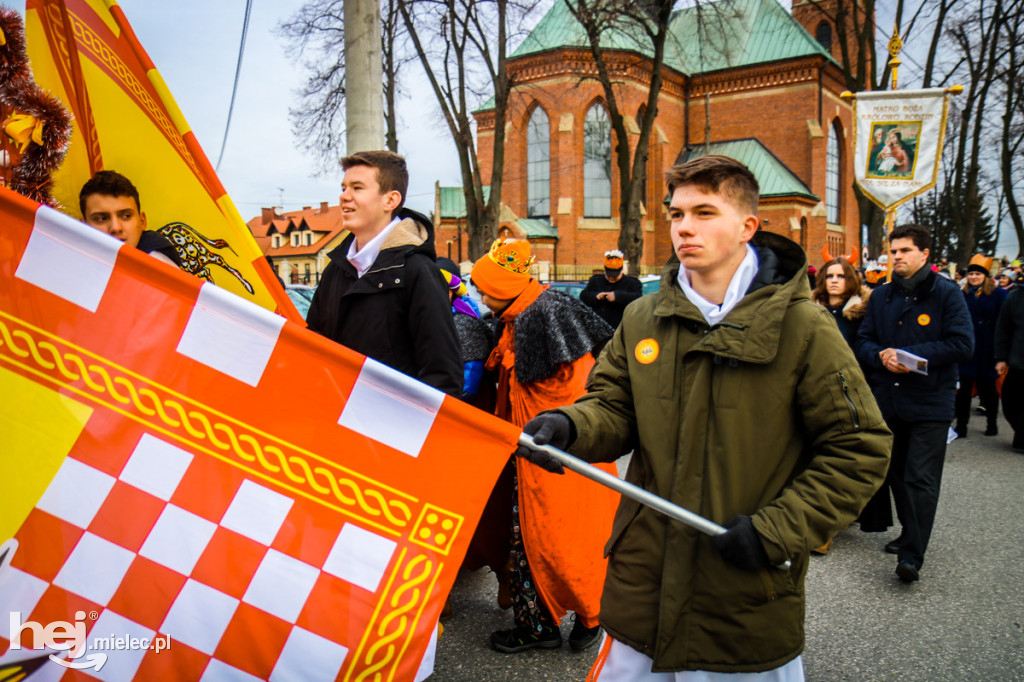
[963, 621]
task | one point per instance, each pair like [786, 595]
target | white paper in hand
[915, 363]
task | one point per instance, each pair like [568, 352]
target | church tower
[828, 20]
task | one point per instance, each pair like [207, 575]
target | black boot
[993, 428]
[520, 639]
[961, 430]
[1018, 441]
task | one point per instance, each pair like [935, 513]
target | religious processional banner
[196, 488]
[897, 147]
[86, 54]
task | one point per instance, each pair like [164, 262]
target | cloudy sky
[194, 45]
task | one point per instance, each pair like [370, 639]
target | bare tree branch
[461, 46]
[315, 34]
[647, 24]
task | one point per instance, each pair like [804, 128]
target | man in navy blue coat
[924, 314]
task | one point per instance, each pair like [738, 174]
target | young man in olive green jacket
[740, 401]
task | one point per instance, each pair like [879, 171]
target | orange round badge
[646, 351]
[923, 320]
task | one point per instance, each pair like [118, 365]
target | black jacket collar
[922, 290]
[390, 255]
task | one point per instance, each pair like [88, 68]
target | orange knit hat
[613, 259]
[504, 272]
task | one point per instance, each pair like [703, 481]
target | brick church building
[763, 86]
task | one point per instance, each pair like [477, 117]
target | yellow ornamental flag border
[229, 440]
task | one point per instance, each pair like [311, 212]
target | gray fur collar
[555, 329]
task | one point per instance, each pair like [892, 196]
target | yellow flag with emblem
[85, 52]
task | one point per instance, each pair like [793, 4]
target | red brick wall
[778, 104]
[811, 14]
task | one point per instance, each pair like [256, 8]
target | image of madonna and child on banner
[898, 143]
[892, 149]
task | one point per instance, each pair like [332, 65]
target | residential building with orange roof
[297, 242]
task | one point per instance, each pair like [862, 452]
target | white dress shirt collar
[362, 259]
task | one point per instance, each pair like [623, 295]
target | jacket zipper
[849, 401]
[390, 267]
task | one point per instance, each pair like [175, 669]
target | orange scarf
[504, 352]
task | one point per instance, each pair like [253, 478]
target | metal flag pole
[631, 491]
[895, 46]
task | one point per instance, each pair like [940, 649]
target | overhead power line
[234, 89]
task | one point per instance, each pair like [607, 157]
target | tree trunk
[455, 25]
[632, 167]
[1008, 146]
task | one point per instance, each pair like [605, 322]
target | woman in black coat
[839, 289]
[984, 301]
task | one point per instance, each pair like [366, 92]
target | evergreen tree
[986, 234]
[935, 211]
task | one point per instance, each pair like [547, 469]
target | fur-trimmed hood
[857, 306]
[414, 231]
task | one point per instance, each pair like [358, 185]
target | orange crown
[512, 255]
[984, 261]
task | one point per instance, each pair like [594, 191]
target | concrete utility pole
[364, 95]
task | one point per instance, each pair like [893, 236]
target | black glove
[741, 545]
[553, 429]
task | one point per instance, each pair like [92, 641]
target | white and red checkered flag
[182, 465]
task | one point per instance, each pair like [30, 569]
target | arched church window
[597, 163]
[823, 34]
[538, 165]
[833, 159]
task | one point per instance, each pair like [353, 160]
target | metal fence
[581, 273]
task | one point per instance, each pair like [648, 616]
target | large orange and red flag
[85, 52]
[183, 466]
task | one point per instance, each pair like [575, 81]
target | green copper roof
[453, 206]
[708, 37]
[735, 33]
[775, 179]
[559, 28]
[453, 201]
[537, 227]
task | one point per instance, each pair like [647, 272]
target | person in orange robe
[546, 348]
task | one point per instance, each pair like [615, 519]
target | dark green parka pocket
[847, 401]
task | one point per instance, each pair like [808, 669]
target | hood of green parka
[751, 330]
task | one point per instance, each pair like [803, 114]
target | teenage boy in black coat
[382, 293]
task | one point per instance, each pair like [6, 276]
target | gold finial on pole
[895, 45]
